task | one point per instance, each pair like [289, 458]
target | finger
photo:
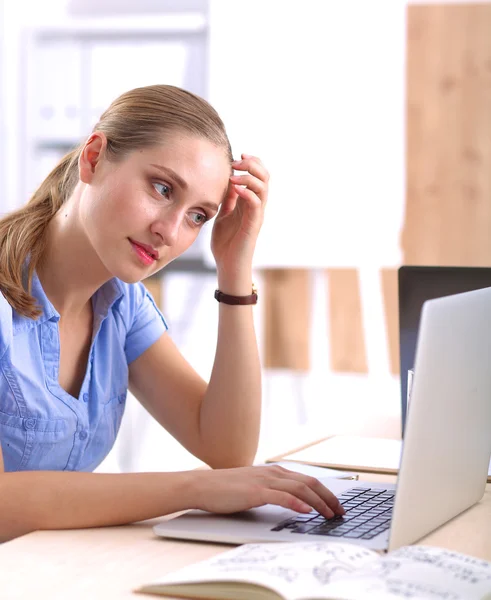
[253, 158]
[228, 204]
[321, 490]
[244, 156]
[325, 493]
[306, 494]
[252, 200]
[285, 499]
[253, 183]
[253, 166]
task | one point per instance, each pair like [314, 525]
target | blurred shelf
[46, 145]
[185, 265]
[116, 27]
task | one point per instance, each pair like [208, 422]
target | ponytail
[22, 234]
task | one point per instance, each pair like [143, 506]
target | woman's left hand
[240, 217]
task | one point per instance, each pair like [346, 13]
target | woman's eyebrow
[181, 183]
[170, 173]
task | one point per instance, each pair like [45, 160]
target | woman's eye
[199, 218]
[162, 189]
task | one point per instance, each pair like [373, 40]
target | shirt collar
[103, 300]
[107, 296]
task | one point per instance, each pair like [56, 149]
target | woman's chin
[135, 275]
[133, 271]
[129, 274]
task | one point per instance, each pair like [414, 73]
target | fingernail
[236, 161]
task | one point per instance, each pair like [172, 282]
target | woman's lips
[145, 257]
[148, 249]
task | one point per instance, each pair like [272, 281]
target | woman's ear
[91, 154]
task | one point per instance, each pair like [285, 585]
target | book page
[418, 573]
[294, 571]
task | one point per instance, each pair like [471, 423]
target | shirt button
[86, 397]
[83, 435]
[29, 423]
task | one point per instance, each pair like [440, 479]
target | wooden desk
[108, 563]
[92, 564]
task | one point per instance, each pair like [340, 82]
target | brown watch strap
[235, 300]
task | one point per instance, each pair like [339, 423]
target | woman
[77, 328]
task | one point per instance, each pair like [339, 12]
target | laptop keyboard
[368, 513]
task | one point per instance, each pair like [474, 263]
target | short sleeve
[147, 324]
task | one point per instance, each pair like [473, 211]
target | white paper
[373, 453]
[353, 451]
[313, 471]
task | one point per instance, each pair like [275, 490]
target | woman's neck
[69, 270]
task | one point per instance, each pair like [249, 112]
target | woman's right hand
[238, 489]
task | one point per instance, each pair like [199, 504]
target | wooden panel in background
[347, 336]
[390, 293]
[448, 202]
[287, 319]
[154, 286]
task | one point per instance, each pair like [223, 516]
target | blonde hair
[137, 119]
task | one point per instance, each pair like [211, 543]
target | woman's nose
[167, 227]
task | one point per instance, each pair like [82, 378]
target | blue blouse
[42, 427]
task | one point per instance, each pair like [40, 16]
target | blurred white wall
[317, 89]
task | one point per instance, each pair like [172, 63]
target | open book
[329, 571]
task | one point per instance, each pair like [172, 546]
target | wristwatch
[228, 299]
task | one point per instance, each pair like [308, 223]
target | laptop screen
[418, 284]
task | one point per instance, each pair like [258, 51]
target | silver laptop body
[446, 451]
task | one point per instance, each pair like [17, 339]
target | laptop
[416, 284]
[445, 457]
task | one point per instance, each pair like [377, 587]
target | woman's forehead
[186, 152]
[189, 163]
[189, 145]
